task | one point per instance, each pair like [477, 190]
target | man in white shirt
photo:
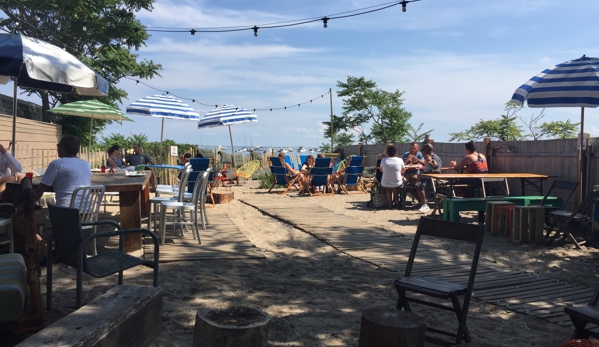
[67, 173]
[7, 161]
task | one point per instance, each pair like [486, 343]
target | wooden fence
[556, 158]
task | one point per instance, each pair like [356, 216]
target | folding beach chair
[322, 162]
[582, 315]
[353, 174]
[289, 160]
[442, 283]
[568, 189]
[281, 176]
[320, 183]
[569, 223]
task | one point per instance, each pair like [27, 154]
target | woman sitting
[114, 159]
[393, 168]
[473, 162]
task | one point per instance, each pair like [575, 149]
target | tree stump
[232, 327]
[390, 327]
[221, 197]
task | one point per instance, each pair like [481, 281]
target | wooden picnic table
[526, 179]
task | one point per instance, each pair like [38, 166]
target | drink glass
[452, 163]
[29, 175]
[102, 168]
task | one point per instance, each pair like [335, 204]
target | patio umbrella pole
[14, 117]
[232, 148]
[581, 175]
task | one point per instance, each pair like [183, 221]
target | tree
[502, 129]
[344, 139]
[556, 130]
[414, 135]
[100, 33]
[365, 104]
[325, 147]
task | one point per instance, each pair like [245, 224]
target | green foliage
[414, 135]
[506, 129]
[365, 104]
[325, 147]
[266, 179]
[344, 139]
[112, 32]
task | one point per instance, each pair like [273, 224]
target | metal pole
[232, 148]
[91, 127]
[332, 132]
[14, 118]
[580, 174]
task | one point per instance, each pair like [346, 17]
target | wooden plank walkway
[221, 240]
[518, 291]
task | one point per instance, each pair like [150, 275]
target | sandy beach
[314, 293]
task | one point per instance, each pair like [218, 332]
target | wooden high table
[134, 196]
[526, 179]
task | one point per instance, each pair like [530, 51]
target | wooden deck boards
[522, 292]
[221, 240]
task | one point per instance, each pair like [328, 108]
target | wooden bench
[453, 206]
[123, 316]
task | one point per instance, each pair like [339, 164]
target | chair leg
[162, 225]
[49, 277]
[580, 331]
[463, 332]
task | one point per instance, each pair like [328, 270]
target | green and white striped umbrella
[93, 109]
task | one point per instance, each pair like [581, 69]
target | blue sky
[458, 61]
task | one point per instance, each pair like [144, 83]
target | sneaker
[424, 208]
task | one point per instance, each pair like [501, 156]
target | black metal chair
[567, 187]
[442, 284]
[582, 315]
[70, 248]
[569, 223]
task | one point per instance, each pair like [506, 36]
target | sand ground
[315, 294]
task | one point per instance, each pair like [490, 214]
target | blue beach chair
[281, 176]
[320, 178]
[353, 174]
[322, 162]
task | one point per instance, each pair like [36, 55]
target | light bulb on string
[324, 22]
[192, 31]
[137, 82]
[193, 101]
[84, 28]
[255, 31]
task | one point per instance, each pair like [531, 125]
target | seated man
[7, 161]
[63, 175]
[432, 164]
[412, 158]
[138, 158]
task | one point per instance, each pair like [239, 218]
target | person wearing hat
[432, 166]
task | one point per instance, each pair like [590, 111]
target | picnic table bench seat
[453, 206]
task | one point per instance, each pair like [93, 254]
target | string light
[84, 28]
[137, 83]
[296, 22]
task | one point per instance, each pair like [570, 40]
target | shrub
[266, 179]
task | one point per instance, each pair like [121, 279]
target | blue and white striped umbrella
[227, 115]
[574, 83]
[163, 106]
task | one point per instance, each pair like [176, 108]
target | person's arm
[149, 160]
[39, 190]
[462, 164]
[112, 163]
[12, 163]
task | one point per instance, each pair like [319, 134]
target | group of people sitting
[132, 160]
[304, 175]
[393, 173]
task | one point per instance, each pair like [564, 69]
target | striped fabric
[164, 106]
[226, 115]
[574, 83]
[91, 109]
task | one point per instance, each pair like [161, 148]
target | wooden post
[232, 327]
[390, 327]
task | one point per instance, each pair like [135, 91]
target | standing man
[425, 182]
[412, 158]
[138, 158]
[7, 161]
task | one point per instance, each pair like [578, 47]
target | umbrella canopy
[227, 115]
[164, 106]
[34, 63]
[574, 83]
[93, 109]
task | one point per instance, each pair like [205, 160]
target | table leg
[130, 210]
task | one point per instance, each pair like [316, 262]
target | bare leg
[389, 196]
